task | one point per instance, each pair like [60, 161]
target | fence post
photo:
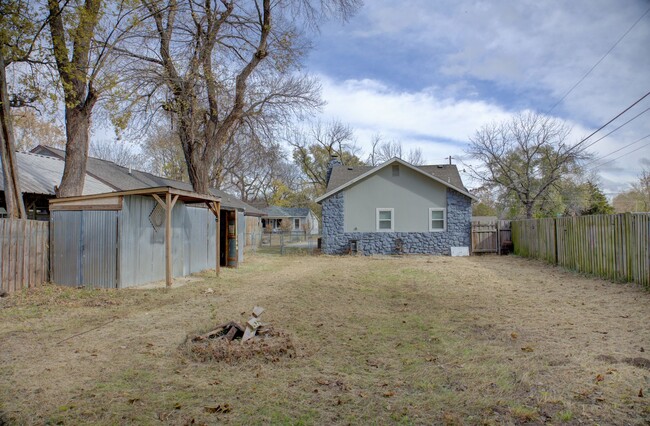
[555, 226]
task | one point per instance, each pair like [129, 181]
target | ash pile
[232, 341]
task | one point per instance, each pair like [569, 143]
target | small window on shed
[395, 170]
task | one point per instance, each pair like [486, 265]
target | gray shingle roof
[121, 179]
[39, 174]
[344, 174]
[275, 211]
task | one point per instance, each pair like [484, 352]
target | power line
[610, 121]
[627, 153]
[599, 61]
[622, 125]
[620, 149]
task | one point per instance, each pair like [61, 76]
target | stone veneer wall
[336, 241]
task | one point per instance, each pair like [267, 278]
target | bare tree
[121, 153]
[254, 164]
[213, 65]
[164, 153]
[313, 148]
[637, 198]
[32, 128]
[524, 156]
[382, 151]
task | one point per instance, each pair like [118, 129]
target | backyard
[412, 340]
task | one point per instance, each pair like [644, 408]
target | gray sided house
[300, 219]
[395, 208]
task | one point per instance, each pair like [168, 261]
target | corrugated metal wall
[241, 235]
[84, 248]
[142, 248]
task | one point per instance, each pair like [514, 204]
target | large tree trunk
[13, 195]
[77, 127]
[77, 82]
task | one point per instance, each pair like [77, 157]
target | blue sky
[430, 73]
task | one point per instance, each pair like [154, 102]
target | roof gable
[343, 177]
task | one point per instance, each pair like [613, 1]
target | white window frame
[392, 218]
[444, 219]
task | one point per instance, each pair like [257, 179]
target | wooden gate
[490, 235]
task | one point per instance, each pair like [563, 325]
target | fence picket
[611, 246]
[23, 254]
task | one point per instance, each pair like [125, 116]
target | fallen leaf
[641, 393]
[323, 382]
[514, 336]
[527, 349]
[600, 378]
[134, 400]
[177, 406]
[389, 394]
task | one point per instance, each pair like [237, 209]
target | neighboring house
[300, 219]
[395, 208]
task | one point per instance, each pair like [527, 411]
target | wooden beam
[191, 196]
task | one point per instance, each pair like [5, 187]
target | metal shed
[128, 238]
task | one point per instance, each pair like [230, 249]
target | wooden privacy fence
[25, 253]
[611, 246]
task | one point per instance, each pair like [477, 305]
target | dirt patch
[275, 344]
[638, 362]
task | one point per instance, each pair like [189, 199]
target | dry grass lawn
[412, 340]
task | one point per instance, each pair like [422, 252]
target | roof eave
[387, 163]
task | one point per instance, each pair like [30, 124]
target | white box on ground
[460, 251]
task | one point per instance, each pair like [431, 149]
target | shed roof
[344, 176]
[124, 179]
[39, 174]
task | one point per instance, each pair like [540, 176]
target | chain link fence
[283, 243]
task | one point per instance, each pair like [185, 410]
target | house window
[385, 218]
[437, 219]
[296, 224]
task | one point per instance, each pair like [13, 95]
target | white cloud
[481, 60]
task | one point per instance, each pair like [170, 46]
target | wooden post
[215, 208]
[168, 205]
[218, 213]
